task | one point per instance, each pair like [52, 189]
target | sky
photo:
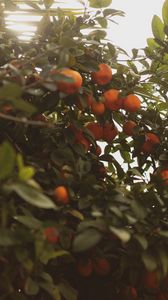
[135, 27]
[131, 31]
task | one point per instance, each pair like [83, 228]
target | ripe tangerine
[96, 130]
[103, 75]
[61, 194]
[85, 268]
[152, 138]
[109, 132]
[86, 101]
[147, 147]
[164, 176]
[69, 87]
[101, 266]
[150, 280]
[128, 127]
[112, 100]
[51, 235]
[97, 108]
[131, 103]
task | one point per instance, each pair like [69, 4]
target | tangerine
[103, 75]
[164, 176]
[101, 266]
[51, 235]
[85, 268]
[131, 103]
[128, 127]
[69, 87]
[112, 100]
[152, 138]
[109, 132]
[86, 101]
[61, 194]
[147, 147]
[95, 129]
[150, 280]
[98, 108]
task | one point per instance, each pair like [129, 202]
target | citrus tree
[83, 160]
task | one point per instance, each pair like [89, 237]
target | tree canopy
[76, 222]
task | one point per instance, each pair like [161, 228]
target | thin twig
[25, 121]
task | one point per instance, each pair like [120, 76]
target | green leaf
[31, 287]
[29, 221]
[149, 261]
[102, 21]
[10, 91]
[141, 240]
[86, 240]
[7, 238]
[51, 289]
[123, 234]
[99, 3]
[33, 196]
[67, 291]
[26, 173]
[7, 160]
[139, 211]
[113, 12]
[23, 105]
[50, 253]
[158, 28]
[162, 106]
[165, 12]
[152, 44]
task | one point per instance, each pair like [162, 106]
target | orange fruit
[151, 141]
[164, 176]
[101, 266]
[112, 100]
[69, 87]
[97, 108]
[150, 280]
[131, 103]
[80, 139]
[51, 235]
[95, 129]
[103, 75]
[61, 194]
[129, 292]
[147, 147]
[109, 132]
[87, 101]
[128, 127]
[85, 267]
[152, 138]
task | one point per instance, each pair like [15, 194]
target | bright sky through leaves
[131, 31]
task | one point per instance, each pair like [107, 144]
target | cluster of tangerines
[111, 101]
